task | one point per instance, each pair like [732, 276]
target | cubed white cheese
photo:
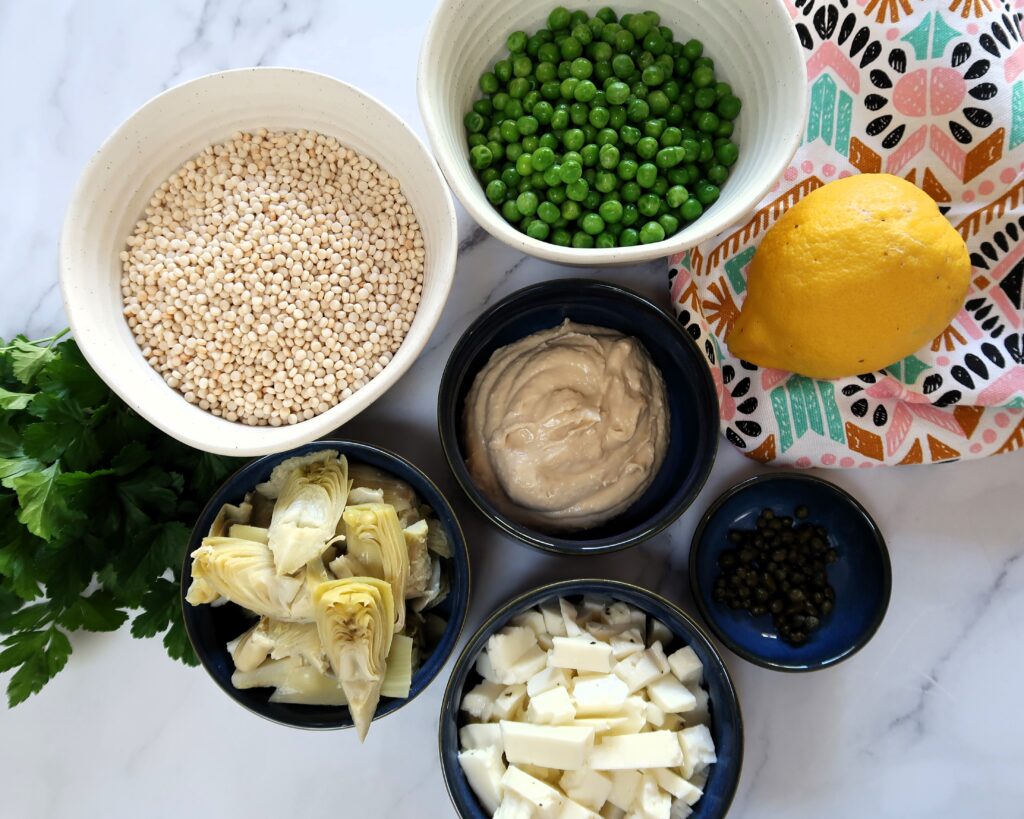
[686, 665]
[639, 620]
[618, 613]
[583, 653]
[484, 770]
[481, 735]
[677, 786]
[508, 645]
[553, 621]
[670, 695]
[658, 632]
[655, 716]
[603, 631]
[625, 787]
[508, 702]
[608, 725]
[565, 747]
[629, 642]
[654, 802]
[553, 707]
[698, 749]
[594, 606]
[657, 653]
[672, 722]
[637, 671]
[479, 700]
[589, 788]
[533, 619]
[526, 666]
[680, 810]
[698, 715]
[601, 695]
[574, 810]
[546, 679]
[549, 775]
[569, 617]
[655, 749]
[547, 801]
[513, 806]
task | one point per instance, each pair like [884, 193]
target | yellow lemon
[856, 276]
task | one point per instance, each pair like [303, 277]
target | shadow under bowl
[690, 391]
[726, 718]
[862, 576]
[210, 628]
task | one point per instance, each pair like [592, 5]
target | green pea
[556, 195]
[616, 93]
[671, 90]
[692, 49]
[676, 195]
[600, 52]
[558, 19]
[606, 181]
[707, 150]
[524, 164]
[522, 66]
[691, 150]
[725, 128]
[508, 130]
[592, 224]
[618, 117]
[703, 77]
[545, 73]
[611, 211]
[590, 154]
[629, 238]
[577, 191]
[660, 186]
[648, 204]
[631, 192]
[573, 139]
[630, 214]
[608, 156]
[646, 175]
[538, 230]
[582, 33]
[585, 91]
[560, 120]
[647, 147]
[474, 122]
[497, 150]
[543, 158]
[674, 115]
[510, 211]
[599, 117]
[637, 110]
[552, 174]
[655, 43]
[570, 171]
[496, 191]
[561, 237]
[503, 71]
[623, 66]
[651, 232]
[606, 136]
[658, 102]
[549, 53]
[510, 176]
[630, 135]
[727, 154]
[530, 143]
[581, 68]
[570, 48]
[653, 75]
[669, 157]
[476, 139]
[577, 17]
[671, 136]
[604, 240]
[707, 193]
[707, 121]
[602, 71]
[519, 88]
[527, 125]
[489, 82]
[592, 200]
[654, 128]
[729, 107]
[589, 133]
[669, 223]
[572, 156]
[499, 100]
[704, 62]
[481, 157]
[682, 67]
[581, 239]
[717, 173]
[638, 25]
[606, 14]
[568, 88]
[627, 169]
[691, 209]
[579, 113]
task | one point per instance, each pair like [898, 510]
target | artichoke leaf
[229, 515]
[244, 531]
[419, 559]
[433, 592]
[437, 538]
[281, 639]
[270, 674]
[309, 505]
[273, 486]
[398, 677]
[374, 538]
[247, 651]
[347, 566]
[308, 686]
[360, 494]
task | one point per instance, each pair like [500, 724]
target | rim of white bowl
[285, 436]
[491, 221]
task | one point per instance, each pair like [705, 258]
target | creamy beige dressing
[566, 428]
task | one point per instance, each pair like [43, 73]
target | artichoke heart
[243, 572]
[309, 506]
[419, 559]
[372, 482]
[355, 618]
[374, 538]
[281, 639]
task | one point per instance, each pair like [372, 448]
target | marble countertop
[924, 722]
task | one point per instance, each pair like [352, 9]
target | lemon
[856, 276]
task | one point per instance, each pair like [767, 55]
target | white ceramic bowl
[150, 145]
[755, 49]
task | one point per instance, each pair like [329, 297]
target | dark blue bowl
[211, 628]
[693, 403]
[726, 719]
[862, 577]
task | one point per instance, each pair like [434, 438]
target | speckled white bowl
[755, 49]
[150, 145]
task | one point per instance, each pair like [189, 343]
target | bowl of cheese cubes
[590, 699]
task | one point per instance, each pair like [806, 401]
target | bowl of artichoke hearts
[325, 587]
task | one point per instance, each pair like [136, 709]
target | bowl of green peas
[593, 135]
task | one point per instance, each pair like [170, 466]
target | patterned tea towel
[932, 90]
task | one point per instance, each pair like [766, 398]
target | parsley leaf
[15, 400]
[97, 612]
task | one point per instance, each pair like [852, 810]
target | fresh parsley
[95, 510]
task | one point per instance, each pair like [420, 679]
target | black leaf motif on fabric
[898, 60]
[851, 389]
[709, 349]
[988, 325]
[931, 383]
[978, 117]
[825, 21]
[748, 406]
[672, 272]
[735, 439]
[683, 317]
[1013, 283]
[976, 365]
[983, 91]
[977, 260]
[867, 378]
[877, 125]
[893, 138]
[742, 388]
[1000, 239]
[1014, 344]
[988, 250]
[1011, 231]
[978, 70]
[948, 398]
[728, 373]
[859, 407]
[983, 312]
[805, 36]
[960, 134]
[860, 39]
[694, 331]
[871, 53]
[974, 304]
[997, 30]
[991, 352]
[987, 43]
[961, 54]
[847, 28]
[751, 428]
[880, 416]
[746, 365]
[875, 101]
[880, 79]
[961, 375]
[997, 331]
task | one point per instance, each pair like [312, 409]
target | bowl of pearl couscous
[255, 256]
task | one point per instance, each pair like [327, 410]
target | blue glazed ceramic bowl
[862, 577]
[726, 720]
[211, 628]
[693, 403]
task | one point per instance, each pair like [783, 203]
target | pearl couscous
[273, 276]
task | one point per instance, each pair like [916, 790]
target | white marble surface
[925, 722]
